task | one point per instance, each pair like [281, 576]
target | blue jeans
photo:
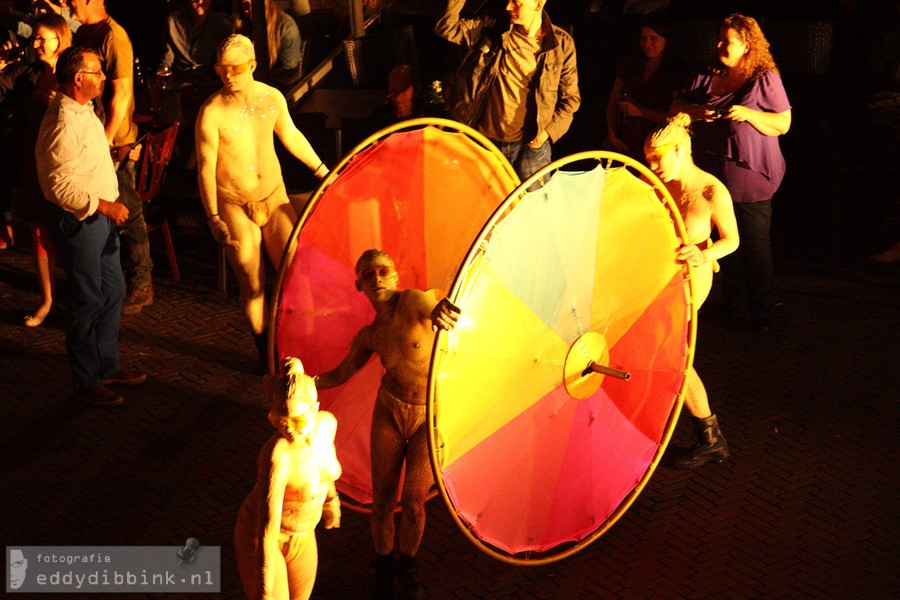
[89, 252]
[526, 160]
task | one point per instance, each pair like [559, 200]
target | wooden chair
[151, 173]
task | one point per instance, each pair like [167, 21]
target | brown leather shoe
[125, 378]
[101, 396]
[141, 295]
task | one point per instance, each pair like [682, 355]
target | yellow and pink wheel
[552, 401]
[420, 190]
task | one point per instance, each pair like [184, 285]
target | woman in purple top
[739, 109]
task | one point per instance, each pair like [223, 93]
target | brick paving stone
[806, 508]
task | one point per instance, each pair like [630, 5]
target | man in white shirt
[77, 177]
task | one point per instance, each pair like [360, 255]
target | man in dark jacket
[518, 83]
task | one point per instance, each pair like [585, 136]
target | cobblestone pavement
[806, 508]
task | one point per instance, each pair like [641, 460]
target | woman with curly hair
[704, 204]
[740, 108]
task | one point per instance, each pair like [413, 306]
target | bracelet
[321, 164]
[211, 217]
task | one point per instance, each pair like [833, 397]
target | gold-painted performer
[275, 538]
[402, 336]
[239, 174]
[704, 203]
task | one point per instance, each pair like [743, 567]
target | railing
[315, 75]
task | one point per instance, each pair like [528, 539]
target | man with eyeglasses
[99, 31]
[239, 175]
[402, 336]
[77, 177]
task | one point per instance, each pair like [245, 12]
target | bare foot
[37, 318]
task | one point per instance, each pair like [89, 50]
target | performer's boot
[406, 573]
[260, 340]
[384, 577]
[709, 445]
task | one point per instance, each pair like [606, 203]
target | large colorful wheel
[421, 191]
[552, 401]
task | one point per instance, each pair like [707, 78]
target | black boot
[384, 577]
[261, 341]
[709, 445]
[406, 573]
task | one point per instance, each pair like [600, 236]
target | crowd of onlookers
[180, 37]
[33, 33]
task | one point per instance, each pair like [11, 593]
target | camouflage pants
[136, 262]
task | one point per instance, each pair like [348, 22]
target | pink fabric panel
[582, 458]
[320, 310]
[653, 350]
[377, 202]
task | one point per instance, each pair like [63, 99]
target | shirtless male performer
[240, 180]
[402, 337]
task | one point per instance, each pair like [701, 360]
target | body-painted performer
[239, 175]
[275, 539]
[704, 203]
[402, 337]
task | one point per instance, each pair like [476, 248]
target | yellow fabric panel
[636, 250]
[542, 250]
[497, 380]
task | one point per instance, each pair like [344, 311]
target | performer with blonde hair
[704, 202]
[275, 538]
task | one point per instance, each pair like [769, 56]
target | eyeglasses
[376, 273]
[233, 69]
[98, 73]
[41, 40]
